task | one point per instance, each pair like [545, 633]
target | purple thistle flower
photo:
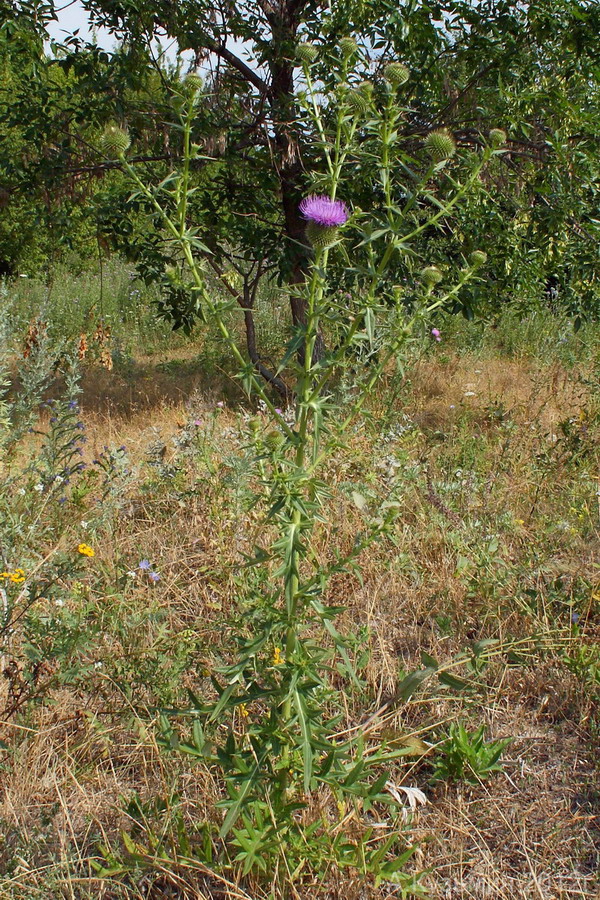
[145, 565]
[436, 334]
[154, 577]
[324, 211]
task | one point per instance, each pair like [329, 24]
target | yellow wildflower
[277, 657]
[86, 550]
[17, 577]
[243, 711]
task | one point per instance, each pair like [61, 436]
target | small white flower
[22, 492]
[39, 488]
[132, 574]
[98, 665]
[470, 394]
[59, 601]
[58, 479]
[84, 524]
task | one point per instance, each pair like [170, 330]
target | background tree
[529, 68]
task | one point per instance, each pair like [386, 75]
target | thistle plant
[276, 698]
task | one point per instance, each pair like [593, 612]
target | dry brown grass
[532, 831]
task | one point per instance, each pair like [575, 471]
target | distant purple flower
[197, 422]
[220, 404]
[324, 211]
[278, 411]
[145, 565]
[575, 617]
[436, 334]
[154, 577]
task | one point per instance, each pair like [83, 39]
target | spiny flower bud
[306, 53]
[431, 276]
[440, 145]
[396, 73]
[114, 142]
[366, 89]
[274, 440]
[497, 137]
[358, 101]
[193, 83]
[348, 46]
[477, 258]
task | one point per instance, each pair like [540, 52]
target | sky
[72, 16]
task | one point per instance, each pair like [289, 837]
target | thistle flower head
[348, 46]
[477, 258]
[440, 145]
[431, 276]
[497, 137]
[306, 53]
[324, 211]
[358, 101]
[274, 440]
[114, 142]
[192, 83]
[324, 217]
[366, 88]
[396, 73]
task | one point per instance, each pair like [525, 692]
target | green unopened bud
[348, 46]
[306, 53]
[497, 138]
[397, 74]
[366, 88]
[114, 142]
[431, 276]
[358, 101]
[321, 236]
[440, 145]
[477, 258]
[274, 440]
[192, 83]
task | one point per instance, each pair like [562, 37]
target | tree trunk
[283, 109]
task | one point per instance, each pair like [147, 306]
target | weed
[467, 756]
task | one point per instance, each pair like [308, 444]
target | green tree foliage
[529, 68]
